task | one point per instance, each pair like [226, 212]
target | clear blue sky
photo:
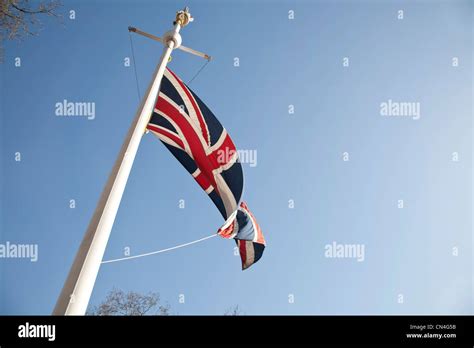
[408, 251]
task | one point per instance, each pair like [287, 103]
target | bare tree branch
[133, 303]
[18, 18]
[234, 311]
[118, 302]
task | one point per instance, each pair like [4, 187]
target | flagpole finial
[183, 17]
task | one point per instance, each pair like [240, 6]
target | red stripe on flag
[195, 145]
[202, 181]
[243, 252]
[202, 124]
[227, 232]
[168, 134]
[223, 154]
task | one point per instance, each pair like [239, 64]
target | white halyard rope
[159, 251]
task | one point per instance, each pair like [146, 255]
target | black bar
[433, 330]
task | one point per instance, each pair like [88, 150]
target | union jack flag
[196, 138]
[243, 227]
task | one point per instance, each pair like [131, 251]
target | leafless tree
[118, 302]
[19, 18]
[234, 311]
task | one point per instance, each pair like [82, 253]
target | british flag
[196, 138]
[243, 227]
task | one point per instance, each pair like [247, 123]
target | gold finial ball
[183, 17]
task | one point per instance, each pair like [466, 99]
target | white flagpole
[77, 289]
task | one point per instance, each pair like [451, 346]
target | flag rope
[135, 67]
[160, 251]
[199, 71]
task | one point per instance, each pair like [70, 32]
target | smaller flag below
[242, 226]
